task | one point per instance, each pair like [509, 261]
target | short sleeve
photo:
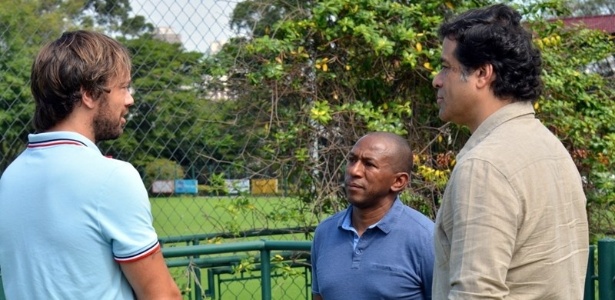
[125, 216]
[314, 258]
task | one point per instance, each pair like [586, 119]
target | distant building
[168, 35]
[215, 47]
[605, 23]
[217, 88]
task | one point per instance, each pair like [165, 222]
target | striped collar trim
[56, 142]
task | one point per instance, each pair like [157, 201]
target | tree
[26, 26]
[173, 117]
[342, 68]
[577, 105]
[257, 17]
[590, 7]
[24, 30]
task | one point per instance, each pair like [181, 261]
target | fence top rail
[247, 233]
[236, 247]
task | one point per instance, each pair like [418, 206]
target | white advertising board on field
[163, 186]
[236, 186]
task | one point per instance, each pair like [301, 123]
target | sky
[198, 22]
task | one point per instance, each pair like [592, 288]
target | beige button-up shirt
[512, 223]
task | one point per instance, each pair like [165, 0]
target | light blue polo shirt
[68, 217]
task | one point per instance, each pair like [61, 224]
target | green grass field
[187, 215]
[197, 215]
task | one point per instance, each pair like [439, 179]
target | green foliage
[23, 30]
[26, 25]
[246, 265]
[173, 115]
[340, 68]
[578, 106]
[330, 73]
[217, 185]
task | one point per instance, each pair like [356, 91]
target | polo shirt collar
[53, 138]
[501, 116]
[385, 224]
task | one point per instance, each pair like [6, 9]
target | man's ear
[401, 182]
[485, 75]
[87, 100]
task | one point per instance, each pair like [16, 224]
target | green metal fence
[273, 259]
[605, 261]
[269, 259]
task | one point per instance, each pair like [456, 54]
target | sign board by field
[163, 187]
[237, 186]
[186, 186]
[264, 186]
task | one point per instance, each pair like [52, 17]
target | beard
[105, 125]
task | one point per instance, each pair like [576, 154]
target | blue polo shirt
[391, 260]
[68, 217]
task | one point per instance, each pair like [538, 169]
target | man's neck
[362, 218]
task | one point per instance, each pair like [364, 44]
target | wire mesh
[177, 129]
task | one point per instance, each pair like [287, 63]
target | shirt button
[358, 251]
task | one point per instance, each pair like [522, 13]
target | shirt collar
[501, 116]
[52, 138]
[385, 224]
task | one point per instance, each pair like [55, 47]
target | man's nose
[354, 169]
[437, 82]
[130, 101]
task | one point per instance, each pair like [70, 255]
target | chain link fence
[181, 134]
[203, 147]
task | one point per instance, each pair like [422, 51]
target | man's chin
[357, 203]
[108, 137]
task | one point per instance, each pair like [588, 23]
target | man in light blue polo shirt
[73, 223]
[378, 248]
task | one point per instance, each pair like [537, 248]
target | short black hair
[402, 162]
[494, 35]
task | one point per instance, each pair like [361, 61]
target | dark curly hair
[494, 35]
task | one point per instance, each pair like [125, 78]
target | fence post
[606, 269]
[198, 292]
[266, 273]
[590, 280]
[211, 292]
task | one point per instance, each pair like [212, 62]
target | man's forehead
[121, 77]
[371, 147]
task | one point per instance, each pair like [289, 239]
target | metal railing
[196, 239]
[605, 262]
[606, 271]
[264, 247]
[296, 253]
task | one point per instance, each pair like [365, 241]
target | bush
[162, 169]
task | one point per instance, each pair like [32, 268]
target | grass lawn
[188, 215]
[197, 215]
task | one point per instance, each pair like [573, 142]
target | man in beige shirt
[512, 223]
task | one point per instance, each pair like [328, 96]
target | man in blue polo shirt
[378, 248]
[73, 223]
